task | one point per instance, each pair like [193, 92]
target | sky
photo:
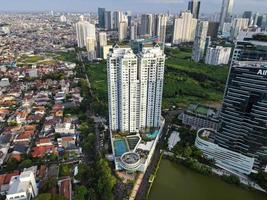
[174, 6]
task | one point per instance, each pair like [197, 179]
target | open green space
[30, 59]
[189, 82]
[97, 74]
[66, 56]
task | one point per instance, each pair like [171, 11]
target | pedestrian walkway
[136, 186]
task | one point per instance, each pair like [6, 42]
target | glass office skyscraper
[243, 119]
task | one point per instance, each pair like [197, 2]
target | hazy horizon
[174, 6]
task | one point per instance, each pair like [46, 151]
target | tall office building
[251, 45]
[101, 17]
[102, 38]
[213, 29]
[146, 25]
[256, 18]
[218, 56]
[123, 27]
[226, 12]
[200, 40]
[118, 17]
[84, 29]
[102, 41]
[248, 15]
[243, 115]
[194, 7]
[135, 86]
[108, 20]
[134, 31]
[238, 24]
[160, 27]
[184, 28]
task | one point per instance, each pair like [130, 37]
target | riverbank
[175, 181]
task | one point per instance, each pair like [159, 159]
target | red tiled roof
[9, 176]
[25, 135]
[16, 156]
[43, 140]
[41, 151]
[29, 127]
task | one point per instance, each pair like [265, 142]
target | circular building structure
[130, 161]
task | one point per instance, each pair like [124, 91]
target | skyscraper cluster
[184, 27]
[86, 37]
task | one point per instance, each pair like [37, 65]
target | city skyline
[174, 6]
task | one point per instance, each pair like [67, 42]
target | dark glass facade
[251, 49]
[243, 118]
[194, 7]
[101, 17]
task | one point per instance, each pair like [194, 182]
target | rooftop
[202, 110]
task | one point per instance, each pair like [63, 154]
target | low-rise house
[25, 136]
[43, 142]
[60, 96]
[21, 117]
[41, 151]
[4, 82]
[4, 113]
[19, 149]
[36, 118]
[67, 142]
[65, 188]
[22, 187]
[65, 128]
[5, 180]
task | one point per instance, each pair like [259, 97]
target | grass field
[97, 74]
[98, 77]
[68, 57]
[189, 82]
[30, 59]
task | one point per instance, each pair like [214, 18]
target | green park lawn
[30, 59]
[189, 82]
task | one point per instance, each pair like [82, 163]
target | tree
[187, 152]
[48, 196]
[12, 164]
[48, 185]
[80, 193]
[91, 194]
[106, 180]
[83, 173]
[25, 164]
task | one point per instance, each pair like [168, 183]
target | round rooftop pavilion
[130, 160]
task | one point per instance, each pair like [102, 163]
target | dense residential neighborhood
[167, 101]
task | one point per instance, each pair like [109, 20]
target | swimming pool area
[120, 147]
[153, 135]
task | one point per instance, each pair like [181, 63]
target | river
[174, 181]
